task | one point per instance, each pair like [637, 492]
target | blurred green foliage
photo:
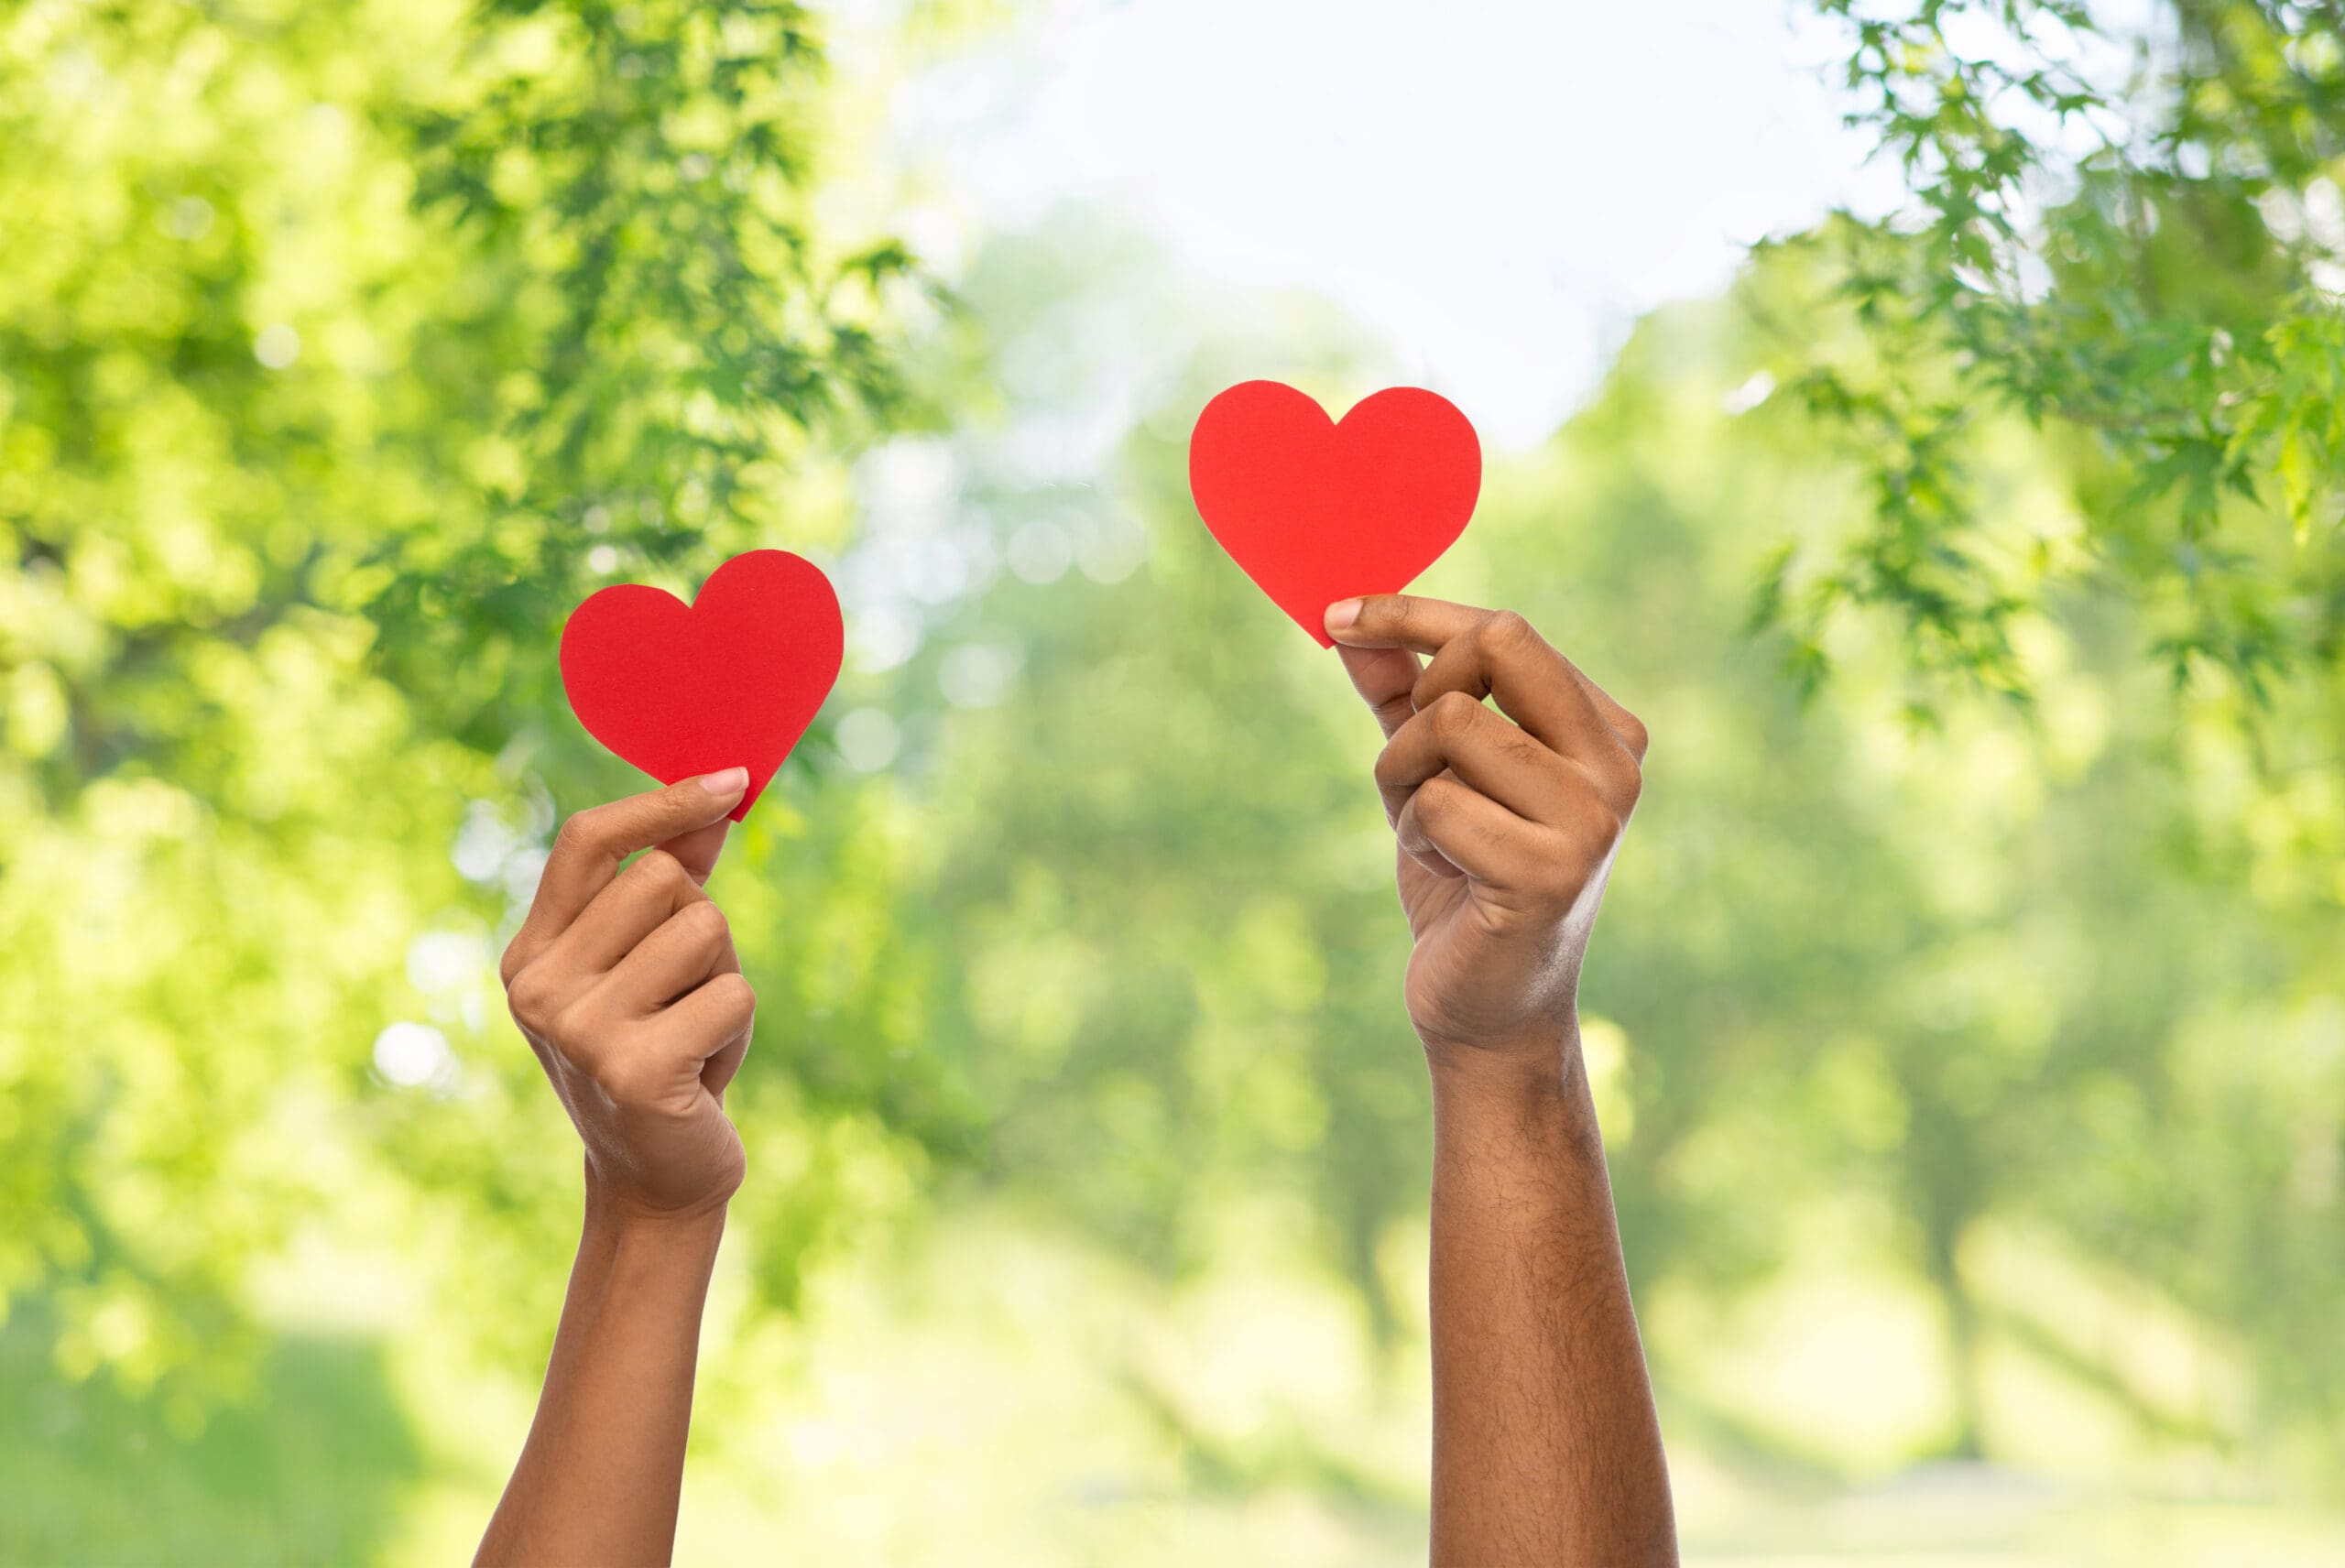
[2127, 228]
[343, 347]
[1970, 988]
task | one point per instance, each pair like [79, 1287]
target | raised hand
[1507, 825]
[1546, 1449]
[627, 986]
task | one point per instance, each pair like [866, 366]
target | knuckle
[1606, 787]
[735, 998]
[1597, 827]
[1615, 781]
[535, 997]
[659, 869]
[1437, 800]
[1506, 631]
[704, 923]
[1453, 713]
[579, 831]
[1637, 733]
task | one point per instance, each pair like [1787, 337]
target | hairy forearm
[1546, 1449]
[599, 1477]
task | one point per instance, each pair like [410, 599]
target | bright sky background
[1496, 186]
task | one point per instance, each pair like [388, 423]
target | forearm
[1547, 1448]
[598, 1479]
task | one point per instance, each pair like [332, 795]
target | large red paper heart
[731, 681]
[1316, 511]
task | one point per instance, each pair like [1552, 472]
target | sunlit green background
[1965, 1017]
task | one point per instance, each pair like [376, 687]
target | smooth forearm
[1546, 1449]
[599, 1478]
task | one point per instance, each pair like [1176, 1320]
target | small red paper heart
[731, 681]
[1316, 511]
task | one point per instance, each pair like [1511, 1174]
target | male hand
[1507, 830]
[627, 986]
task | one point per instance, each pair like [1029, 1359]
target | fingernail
[1342, 614]
[727, 784]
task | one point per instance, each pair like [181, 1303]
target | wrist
[630, 1253]
[616, 1216]
[1495, 1094]
[1538, 1051]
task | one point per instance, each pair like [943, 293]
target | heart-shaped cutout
[1315, 511]
[730, 680]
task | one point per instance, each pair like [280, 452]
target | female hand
[627, 986]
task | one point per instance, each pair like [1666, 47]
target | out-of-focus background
[1926, 413]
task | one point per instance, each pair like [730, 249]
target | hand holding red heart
[625, 984]
[1506, 824]
[1506, 829]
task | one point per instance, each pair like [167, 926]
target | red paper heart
[731, 681]
[1315, 511]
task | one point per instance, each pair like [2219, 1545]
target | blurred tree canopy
[343, 347]
[2126, 225]
[1995, 999]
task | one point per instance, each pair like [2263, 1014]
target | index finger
[592, 844]
[1481, 652]
[1400, 620]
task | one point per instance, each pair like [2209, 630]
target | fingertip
[727, 785]
[1372, 620]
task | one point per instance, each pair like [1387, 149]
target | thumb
[1383, 677]
[588, 850]
[697, 851]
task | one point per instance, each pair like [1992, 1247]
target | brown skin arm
[1547, 1448]
[627, 987]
